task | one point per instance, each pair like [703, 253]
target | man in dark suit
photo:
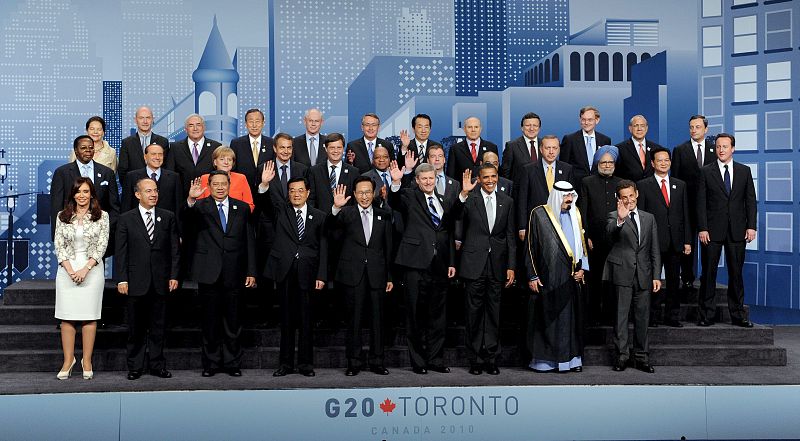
[504, 185]
[523, 150]
[633, 266]
[427, 253]
[687, 160]
[360, 151]
[131, 154]
[421, 124]
[633, 163]
[105, 184]
[224, 263]
[726, 218]
[308, 148]
[325, 176]
[146, 265]
[445, 185]
[664, 197]
[488, 254]
[363, 270]
[191, 157]
[170, 196]
[252, 149]
[577, 149]
[298, 263]
[536, 181]
[379, 173]
[467, 154]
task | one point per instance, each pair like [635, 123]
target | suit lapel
[142, 227]
[718, 177]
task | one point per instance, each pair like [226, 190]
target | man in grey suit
[634, 267]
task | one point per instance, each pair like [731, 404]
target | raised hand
[467, 185]
[268, 174]
[405, 140]
[622, 211]
[395, 172]
[411, 160]
[195, 189]
[339, 198]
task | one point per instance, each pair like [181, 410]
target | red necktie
[533, 151]
[474, 153]
[664, 191]
[641, 156]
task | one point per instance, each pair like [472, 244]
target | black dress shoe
[134, 375]
[576, 369]
[475, 370]
[705, 323]
[351, 372]
[235, 372]
[379, 369]
[491, 369]
[673, 323]
[619, 366]
[161, 373]
[281, 371]
[420, 370]
[209, 372]
[644, 367]
[307, 372]
[440, 369]
[742, 323]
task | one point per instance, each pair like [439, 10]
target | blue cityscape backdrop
[736, 61]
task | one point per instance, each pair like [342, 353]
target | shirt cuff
[335, 210]
[395, 187]
[262, 189]
[462, 198]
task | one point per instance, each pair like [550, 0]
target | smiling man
[361, 151]
[252, 149]
[634, 153]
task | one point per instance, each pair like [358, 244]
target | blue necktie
[222, 219]
[385, 181]
[726, 179]
[434, 215]
[333, 177]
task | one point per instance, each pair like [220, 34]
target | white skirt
[84, 301]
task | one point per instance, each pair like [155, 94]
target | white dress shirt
[721, 166]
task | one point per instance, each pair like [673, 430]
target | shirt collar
[309, 136]
[330, 164]
[143, 210]
[373, 141]
[279, 164]
[722, 164]
[200, 143]
[225, 202]
[81, 165]
[256, 139]
[588, 134]
[659, 178]
[421, 143]
[150, 134]
[636, 143]
[150, 171]
[486, 195]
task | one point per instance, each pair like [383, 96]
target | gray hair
[194, 115]
[424, 167]
[630, 123]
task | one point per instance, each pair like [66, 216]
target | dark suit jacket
[631, 259]
[422, 240]
[180, 160]
[477, 241]
[265, 231]
[359, 147]
[359, 257]
[319, 182]
[413, 147]
[244, 158]
[131, 154]
[505, 186]
[722, 215]
[532, 188]
[170, 193]
[672, 221]
[516, 155]
[628, 164]
[228, 256]
[105, 186]
[598, 197]
[310, 254]
[300, 150]
[684, 167]
[573, 152]
[460, 157]
[143, 264]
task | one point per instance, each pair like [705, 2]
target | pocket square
[104, 183]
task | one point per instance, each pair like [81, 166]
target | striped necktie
[301, 226]
[148, 224]
[434, 215]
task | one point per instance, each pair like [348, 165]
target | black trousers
[221, 327]
[146, 328]
[482, 307]
[734, 259]
[639, 300]
[357, 298]
[669, 295]
[599, 303]
[426, 321]
[295, 315]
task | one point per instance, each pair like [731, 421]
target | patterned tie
[332, 177]
[154, 177]
[255, 152]
[533, 151]
[85, 171]
[385, 180]
[434, 215]
[490, 212]
[369, 150]
[421, 153]
[195, 153]
[641, 155]
[551, 180]
[301, 226]
[726, 179]
[149, 225]
[312, 151]
[474, 152]
[365, 224]
[664, 191]
[222, 219]
[699, 155]
[284, 179]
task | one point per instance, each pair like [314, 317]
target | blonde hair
[223, 150]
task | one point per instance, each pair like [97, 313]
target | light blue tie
[222, 219]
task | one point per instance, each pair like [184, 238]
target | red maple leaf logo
[387, 406]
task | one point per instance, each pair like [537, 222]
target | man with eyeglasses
[578, 148]
[634, 153]
[360, 152]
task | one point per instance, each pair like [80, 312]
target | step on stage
[721, 382]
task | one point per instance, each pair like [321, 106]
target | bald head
[472, 128]
[143, 119]
[313, 121]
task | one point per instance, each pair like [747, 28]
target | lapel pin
[263, 150]
[99, 175]
[483, 148]
[158, 219]
[441, 200]
[648, 149]
[208, 144]
[449, 182]
[346, 171]
[673, 186]
[502, 189]
[559, 172]
[310, 217]
[379, 218]
[712, 150]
